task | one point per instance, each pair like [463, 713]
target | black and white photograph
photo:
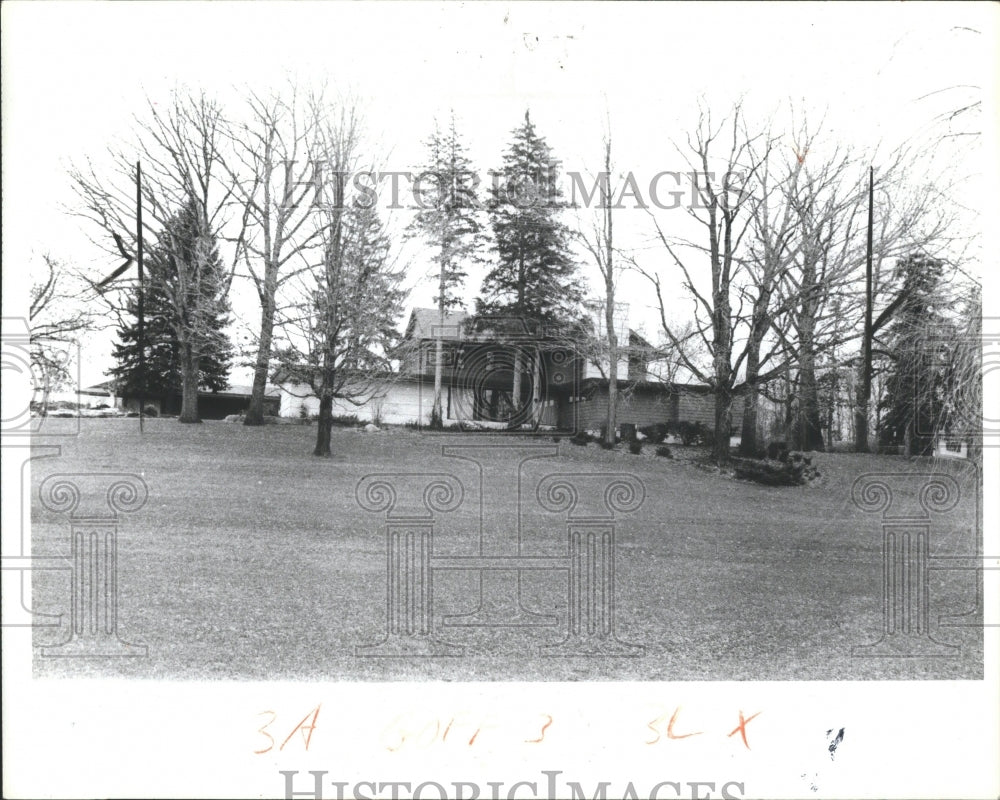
[500, 400]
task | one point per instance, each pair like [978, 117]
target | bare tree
[963, 384]
[58, 315]
[277, 180]
[599, 243]
[771, 252]
[825, 205]
[182, 150]
[338, 339]
[819, 300]
[724, 189]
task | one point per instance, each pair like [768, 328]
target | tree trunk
[189, 385]
[255, 412]
[611, 435]
[723, 406]
[324, 426]
[831, 410]
[861, 410]
[723, 377]
[808, 431]
[748, 434]
[612, 432]
[789, 425]
[809, 434]
[437, 418]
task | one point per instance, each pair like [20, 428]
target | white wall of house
[399, 403]
[951, 448]
[591, 370]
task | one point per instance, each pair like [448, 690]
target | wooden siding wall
[648, 408]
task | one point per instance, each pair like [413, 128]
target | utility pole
[139, 299]
[865, 389]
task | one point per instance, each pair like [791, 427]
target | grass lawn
[253, 560]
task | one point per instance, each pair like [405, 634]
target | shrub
[580, 439]
[777, 451]
[346, 419]
[691, 432]
[795, 470]
[664, 451]
[635, 447]
[655, 433]
[557, 439]
[607, 445]
[150, 411]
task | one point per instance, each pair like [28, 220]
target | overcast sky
[74, 73]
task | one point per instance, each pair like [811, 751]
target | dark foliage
[795, 470]
[655, 433]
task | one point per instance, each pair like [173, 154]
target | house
[644, 402]
[951, 446]
[476, 370]
[566, 391]
[100, 394]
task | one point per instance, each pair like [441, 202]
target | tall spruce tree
[534, 278]
[913, 404]
[449, 220]
[186, 312]
[161, 376]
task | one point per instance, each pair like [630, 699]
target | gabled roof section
[108, 387]
[424, 324]
[636, 340]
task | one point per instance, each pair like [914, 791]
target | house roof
[660, 386]
[245, 389]
[101, 389]
[636, 340]
[424, 324]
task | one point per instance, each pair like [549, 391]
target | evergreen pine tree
[913, 404]
[185, 314]
[449, 220]
[534, 278]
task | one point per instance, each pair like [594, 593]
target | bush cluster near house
[690, 433]
[780, 468]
